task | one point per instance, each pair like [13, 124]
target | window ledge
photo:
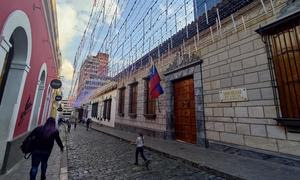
[293, 122]
[121, 114]
[132, 115]
[150, 116]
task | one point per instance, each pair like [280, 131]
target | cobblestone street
[94, 155]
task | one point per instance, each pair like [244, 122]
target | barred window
[104, 110]
[121, 101]
[94, 110]
[149, 103]
[133, 99]
[107, 109]
[282, 43]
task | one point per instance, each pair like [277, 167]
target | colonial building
[103, 104]
[233, 84]
[29, 60]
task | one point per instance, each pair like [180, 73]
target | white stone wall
[112, 94]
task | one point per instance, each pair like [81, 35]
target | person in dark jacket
[69, 125]
[46, 135]
[88, 122]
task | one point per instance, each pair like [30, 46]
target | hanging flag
[154, 83]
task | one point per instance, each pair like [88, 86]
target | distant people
[69, 125]
[75, 123]
[140, 150]
[88, 122]
[45, 136]
[60, 121]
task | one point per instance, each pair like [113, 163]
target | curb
[199, 166]
[63, 174]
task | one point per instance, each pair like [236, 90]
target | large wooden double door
[184, 107]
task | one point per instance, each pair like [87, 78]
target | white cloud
[66, 24]
[67, 70]
[73, 16]
[67, 73]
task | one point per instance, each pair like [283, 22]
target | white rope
[219, 20]
[273, 9]
[206, 15]
[212, 34]
[195, 43]
[244, 24]
[234, 23]
[263, 5]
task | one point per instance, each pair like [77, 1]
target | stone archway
[38, 97]
[15, 40]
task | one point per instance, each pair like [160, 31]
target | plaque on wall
[233, 95]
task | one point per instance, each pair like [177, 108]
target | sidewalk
[55, 170]
[234, 165]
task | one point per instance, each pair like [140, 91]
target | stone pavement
[21, 170]
[235, 165]
[95, 155]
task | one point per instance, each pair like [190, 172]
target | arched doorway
[38, 97]
[14, 66]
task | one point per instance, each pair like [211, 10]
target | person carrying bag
[40, 144]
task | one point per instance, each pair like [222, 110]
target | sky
[73, 17]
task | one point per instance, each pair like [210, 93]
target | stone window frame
[132, 111]
[178, 70]
[148, 115]
[121, 103]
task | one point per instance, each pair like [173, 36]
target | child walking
[140, 150]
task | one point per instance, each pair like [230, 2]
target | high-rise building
[199, 6]
[67, 107]
[93, 72]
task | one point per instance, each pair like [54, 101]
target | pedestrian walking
[45, 136]
[69, 125]
[140, 150]
[75, 123]
[88, 122]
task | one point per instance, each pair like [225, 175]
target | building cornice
[50, 15]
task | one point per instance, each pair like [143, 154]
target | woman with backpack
[45, 136]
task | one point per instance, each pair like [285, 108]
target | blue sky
[73, 16]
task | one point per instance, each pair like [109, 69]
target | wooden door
[184, 107]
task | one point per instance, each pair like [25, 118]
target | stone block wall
[156, 126]
[231, 59]
[239, 60]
